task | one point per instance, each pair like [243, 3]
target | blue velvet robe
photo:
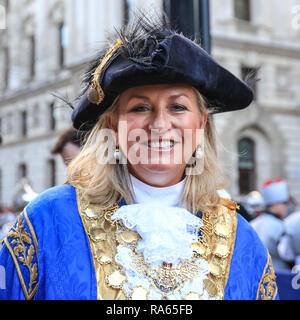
[47, 255]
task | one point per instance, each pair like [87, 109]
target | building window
[242, 9]
[181, 14]
[22, 171]
[52, 126]
[3, 15]
[246, 150]
[32, 50]
[126, 11]
[24, 124]
[36, 117]
[6, 67]
[1, 131]
[51, 173]
[249, 75]
[6, 5]
[192, 18]
[62, 36]
[9, 124]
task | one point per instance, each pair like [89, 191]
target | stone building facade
[47, 44]
[264, 38]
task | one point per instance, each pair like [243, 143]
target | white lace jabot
[167, 232]
[168, 196]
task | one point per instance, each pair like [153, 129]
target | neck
[145, 193]
[159, 179]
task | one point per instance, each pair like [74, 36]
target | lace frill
[166, 237]
[166, 232]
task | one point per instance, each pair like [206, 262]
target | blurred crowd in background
[275, 215]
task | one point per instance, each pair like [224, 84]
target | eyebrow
[139, 97]
[147, 98]
[179, 95]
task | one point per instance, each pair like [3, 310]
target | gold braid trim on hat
[96, 94]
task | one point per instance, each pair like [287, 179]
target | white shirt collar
[168, 196]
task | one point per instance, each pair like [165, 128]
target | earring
[117, 154]
[199, 153]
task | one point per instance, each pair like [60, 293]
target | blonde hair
[104, 183]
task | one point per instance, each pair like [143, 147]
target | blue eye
[178, 107]
[140, 109]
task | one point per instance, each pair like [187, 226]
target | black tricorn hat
[149, 52]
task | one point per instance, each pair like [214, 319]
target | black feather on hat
[146, 52]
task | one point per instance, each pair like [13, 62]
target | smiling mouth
[160, 145]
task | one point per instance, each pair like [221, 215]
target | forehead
[159, 91]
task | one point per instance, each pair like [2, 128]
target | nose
[160, 121]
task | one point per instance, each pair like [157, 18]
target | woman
[140, 216]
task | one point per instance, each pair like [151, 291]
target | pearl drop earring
[199, 153]
[117, 154]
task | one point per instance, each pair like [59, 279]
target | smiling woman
[140, 216]
[162, 113]
[157, 129]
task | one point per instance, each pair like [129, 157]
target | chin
[159, 175]
[163, 168]
[158, 178]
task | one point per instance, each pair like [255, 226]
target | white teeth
[162, 144]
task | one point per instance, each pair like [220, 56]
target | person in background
[241, 208]
[7, 218]
[68, 145]
[292, 227]
[270, 225]
[293, 205]
[23, 195]
[255, 204]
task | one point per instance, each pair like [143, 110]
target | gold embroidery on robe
[23, 248]
[101, 233]
[267, 289]
[215, 245]
[217, 241]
